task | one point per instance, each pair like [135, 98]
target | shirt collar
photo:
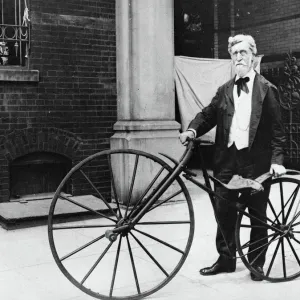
[251, 74]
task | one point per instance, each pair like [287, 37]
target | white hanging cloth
[197, 81]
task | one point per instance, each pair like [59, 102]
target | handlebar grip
[200, 141]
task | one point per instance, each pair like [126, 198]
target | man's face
[242, 58]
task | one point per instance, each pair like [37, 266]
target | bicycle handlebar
[190, 146]
[200, 141]
[267, 175]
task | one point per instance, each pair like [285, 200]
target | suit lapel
[229, 90]
[258, 95]
[230, 108]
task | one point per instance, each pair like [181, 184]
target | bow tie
[242, 85]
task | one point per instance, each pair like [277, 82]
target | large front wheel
[281, 242]
[137, 260]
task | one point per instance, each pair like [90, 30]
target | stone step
[30, 210]
[14, 215]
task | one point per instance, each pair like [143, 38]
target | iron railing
[287, 79]
[14, 32]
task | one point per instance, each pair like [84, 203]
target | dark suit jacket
[266, 132]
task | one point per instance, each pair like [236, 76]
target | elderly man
[249, 142]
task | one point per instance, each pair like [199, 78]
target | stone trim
[10, 74]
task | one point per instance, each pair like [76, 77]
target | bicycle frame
[138, 212]
[135, 211]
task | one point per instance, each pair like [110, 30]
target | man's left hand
[277, 170]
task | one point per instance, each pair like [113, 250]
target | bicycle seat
[238, 183]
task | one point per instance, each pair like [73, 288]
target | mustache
[240, 63]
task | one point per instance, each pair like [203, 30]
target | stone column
[145, 80]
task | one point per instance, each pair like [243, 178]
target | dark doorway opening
[37, 175]
[194, 28]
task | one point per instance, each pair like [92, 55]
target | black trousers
[240, 162]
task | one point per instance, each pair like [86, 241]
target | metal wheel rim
[52, 243]
[238, 242]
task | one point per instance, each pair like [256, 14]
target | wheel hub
[112, 236]
[287, 230]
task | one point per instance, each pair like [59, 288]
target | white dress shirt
[239, 130]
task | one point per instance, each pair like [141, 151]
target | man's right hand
[185, 136]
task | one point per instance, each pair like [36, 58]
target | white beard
[242, 70]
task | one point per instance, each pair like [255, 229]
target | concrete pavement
[28, 270]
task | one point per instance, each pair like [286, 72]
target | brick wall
[72, 109]
[273, 23]
[223, 13]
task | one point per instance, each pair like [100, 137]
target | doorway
[194, 28]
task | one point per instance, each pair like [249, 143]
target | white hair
[241, 38]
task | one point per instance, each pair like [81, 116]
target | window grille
[14, 33]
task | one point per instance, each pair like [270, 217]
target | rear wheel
[282, 245]
[132, 263]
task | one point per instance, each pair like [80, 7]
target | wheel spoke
[282, 201]
[251, 226]
[83, 247]
[262, 222]
[85, 207]
[164, 223]
[115, 267]
[166, 200]
[99, 194]
[81, 227]
[274, 213]
[294, 195]
[273, 259]
[264, 246]
[160, 241]
[248, 244]
[259, 254]
[146, 191]
[132, 184]
[296, 224]
[133, 266]
[150, 255]
[295, 217]
[283, 258]
[293, 250]
[114, 185]
[279, 214]
[96, 263]
[259, 214]
[296, 240]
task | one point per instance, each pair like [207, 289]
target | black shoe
[255, 277]
[217, 268]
